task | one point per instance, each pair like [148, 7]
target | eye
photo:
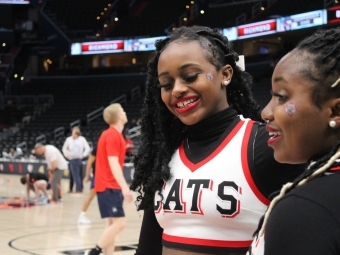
[190, 78]
[281, 98]
[165, 86]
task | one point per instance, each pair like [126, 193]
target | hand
[86, 179]
[128, 196]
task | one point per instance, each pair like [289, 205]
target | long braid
[161, 131]
[324, 45]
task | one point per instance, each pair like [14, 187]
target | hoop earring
[332, 123]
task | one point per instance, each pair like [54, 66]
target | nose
[267, 112]
[179, 89]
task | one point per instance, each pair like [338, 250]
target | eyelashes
[187, 79]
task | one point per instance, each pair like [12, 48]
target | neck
[118, 126]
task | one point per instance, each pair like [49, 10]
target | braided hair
[161, 131]
[323, 71]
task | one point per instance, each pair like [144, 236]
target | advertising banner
[256, 29]
[97, 47]
[333, 14]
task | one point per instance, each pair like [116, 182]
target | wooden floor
[52, 229]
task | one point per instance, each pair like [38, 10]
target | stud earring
[226, 82]
[266, 121]
[332, 123]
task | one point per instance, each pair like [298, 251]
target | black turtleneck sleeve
[267, 173]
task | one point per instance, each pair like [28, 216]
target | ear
[227, 74]
[335, 109]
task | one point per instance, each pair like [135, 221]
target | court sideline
[52, 229]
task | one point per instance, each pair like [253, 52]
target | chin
[287, 159]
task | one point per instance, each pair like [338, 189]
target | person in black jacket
[303, 121]
[204, 171]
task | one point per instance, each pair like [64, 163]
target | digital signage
[231, 33]
[97, 47]
[299, 21]
[256, 29]
[14, 1]
[143, 44]
[333, 14]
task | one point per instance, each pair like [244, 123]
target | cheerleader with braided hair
[304, 119]
[204, 171]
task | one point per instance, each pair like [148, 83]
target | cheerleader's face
[191, 87]
[299, 129]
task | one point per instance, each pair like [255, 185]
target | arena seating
[288, 7]
[73, 100]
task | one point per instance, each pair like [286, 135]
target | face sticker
[290, 109]
[209, 76]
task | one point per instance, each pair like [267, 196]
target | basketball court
[52, 229]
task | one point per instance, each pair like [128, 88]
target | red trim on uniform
[192, 166]
[245, 165]
[207, 242]
[335, 168]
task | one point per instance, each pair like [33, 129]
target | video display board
[99, 47]
[256, 29]
[142, 44]
[14, 1]
[300, 21]
[333, 14]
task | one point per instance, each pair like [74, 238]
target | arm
[65, 148]
[89, 165]
[117, 173]
[150, 238]
[87, 148]
[54, 165]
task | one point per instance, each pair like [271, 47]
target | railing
[75, 123]
[122, 100]
[60, 131]
[134, 132]
[41, 139]
[93, 115]
[23, 146]
[135, 92]
[26, 101]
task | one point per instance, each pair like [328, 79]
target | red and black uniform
[222, 176]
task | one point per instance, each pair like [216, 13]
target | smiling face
[298, 127]
[191, 87]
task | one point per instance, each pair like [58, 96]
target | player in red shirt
[110, 183]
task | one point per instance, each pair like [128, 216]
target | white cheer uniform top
[257, 246]
[215, 202]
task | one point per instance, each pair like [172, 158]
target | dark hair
[161, 131]
[23, 179]
[324, 49]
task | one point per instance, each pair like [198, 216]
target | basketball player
[110, 183]
[304, 121]
[204, 172]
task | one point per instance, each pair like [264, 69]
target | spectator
[76, 148]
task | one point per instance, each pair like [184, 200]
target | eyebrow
[180, 68]
[278, 79]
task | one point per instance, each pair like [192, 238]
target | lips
[185, 104]
[274, 134]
